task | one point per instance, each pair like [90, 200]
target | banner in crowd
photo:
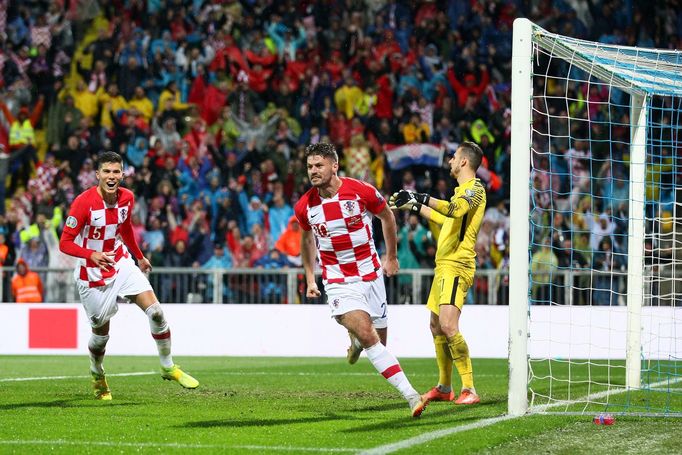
[402, 156]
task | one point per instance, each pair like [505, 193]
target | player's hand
[403, 200]
[312, 292]
[422, 198]
[103, 260]
[144, 265]
[391, 267]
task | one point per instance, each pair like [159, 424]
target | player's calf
[355, 349]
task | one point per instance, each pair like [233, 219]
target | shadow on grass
[426, 420]
[73, 403]
[240, 423]
[401, 405]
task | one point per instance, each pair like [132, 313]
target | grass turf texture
[284, 405]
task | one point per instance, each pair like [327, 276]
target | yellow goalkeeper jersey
[461, 219]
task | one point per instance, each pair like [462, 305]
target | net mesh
[579, 227]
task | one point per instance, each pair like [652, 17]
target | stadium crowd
[211, 104]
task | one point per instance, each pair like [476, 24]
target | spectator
[289, 243]
[221, 260]
[543, 266]
[22, 142]
[412, 234]
[273, 287]
[416, 131]
[606, 285]
[27, 287]
[279, 215]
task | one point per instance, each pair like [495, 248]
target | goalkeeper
[459, 220]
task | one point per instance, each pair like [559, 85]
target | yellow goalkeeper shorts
[447, 289]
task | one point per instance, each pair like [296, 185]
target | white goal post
[610, 359]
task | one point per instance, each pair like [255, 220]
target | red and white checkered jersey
[96, 226]
[342, 226]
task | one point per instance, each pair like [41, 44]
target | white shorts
[367, 296]
[100, 303]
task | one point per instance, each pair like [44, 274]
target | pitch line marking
[49, 378]
[175, 445]
[426, 437]
[232, 373]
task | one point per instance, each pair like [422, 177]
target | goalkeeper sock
[444, 361]
[96, 346]
[460, 356]
[388, 366]
[161, 334]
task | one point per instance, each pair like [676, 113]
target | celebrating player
[459, 220]
[99, 232]
[339, 213]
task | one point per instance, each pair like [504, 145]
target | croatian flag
[402, 156]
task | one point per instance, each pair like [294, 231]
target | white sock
[161, 334]
[388, 366]
[97, 346]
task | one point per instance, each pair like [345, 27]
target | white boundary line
[229, 373]
[426, 437]
[174, 445]
[49, 378]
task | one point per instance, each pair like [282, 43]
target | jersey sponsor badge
[378, 195]
[470, 193]
[71, 222]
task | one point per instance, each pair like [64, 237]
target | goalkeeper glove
[422, 198]
[404, 200]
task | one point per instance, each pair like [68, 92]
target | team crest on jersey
[335, 303]
[349, 206]
[71, 222]
[122, 214]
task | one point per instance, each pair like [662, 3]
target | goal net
[596, 230]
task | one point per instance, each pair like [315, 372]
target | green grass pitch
[285, 405]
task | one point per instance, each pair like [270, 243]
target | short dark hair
[108, 157]
[323, 149]
[473, 153]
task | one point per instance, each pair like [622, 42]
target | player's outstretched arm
[407, 200]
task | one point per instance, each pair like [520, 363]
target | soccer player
[459, 219]
[99, 232]
[336, 218]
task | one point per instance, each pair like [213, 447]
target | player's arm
[452, 209]
[308, 256]
[67, 245]
[390, 230]
[407, 200]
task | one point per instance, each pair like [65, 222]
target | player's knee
[449, 329]
[435, 327]
[155, 314]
